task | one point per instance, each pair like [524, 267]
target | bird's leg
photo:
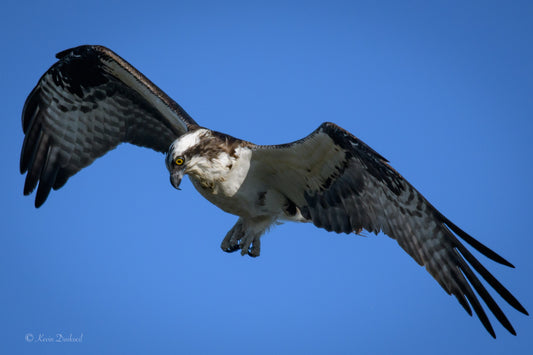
[251, 245]
[246, 235]
[231, 240]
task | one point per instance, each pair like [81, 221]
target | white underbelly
[236, 203]
[241, 193]
[250, 200]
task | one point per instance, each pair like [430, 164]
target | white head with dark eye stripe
[181, 152]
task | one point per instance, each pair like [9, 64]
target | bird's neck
[223, 174]
[209, 172]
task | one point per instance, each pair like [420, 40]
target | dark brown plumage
[84, 106]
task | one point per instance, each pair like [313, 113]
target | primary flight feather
[91, 100]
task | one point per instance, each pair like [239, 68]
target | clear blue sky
[442, 89]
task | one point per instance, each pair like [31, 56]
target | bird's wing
[86, 104]
[341, 184]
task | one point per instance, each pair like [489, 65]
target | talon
[245, 238]
[246, 246]
[231, 248]
[231, 241]
[255, 250]
[253, 253]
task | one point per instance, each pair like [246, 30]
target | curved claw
[231, 248]
[244, 239]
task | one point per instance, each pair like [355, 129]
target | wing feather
[86, 104]
[341, 184]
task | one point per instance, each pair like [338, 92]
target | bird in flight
[91, 100]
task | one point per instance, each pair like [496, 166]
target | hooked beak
[175, 178]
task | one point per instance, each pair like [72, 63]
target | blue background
[442, 89]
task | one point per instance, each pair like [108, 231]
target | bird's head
[184, 154]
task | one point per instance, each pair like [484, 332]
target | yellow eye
[179, 161]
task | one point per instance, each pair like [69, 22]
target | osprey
[91, 100]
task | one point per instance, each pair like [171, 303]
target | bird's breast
[223, 181]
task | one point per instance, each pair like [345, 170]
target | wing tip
[476, 244]
[66, 52]
[41, 199]
[83, 47]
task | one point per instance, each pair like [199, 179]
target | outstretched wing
[86, 104]
[341, 184]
